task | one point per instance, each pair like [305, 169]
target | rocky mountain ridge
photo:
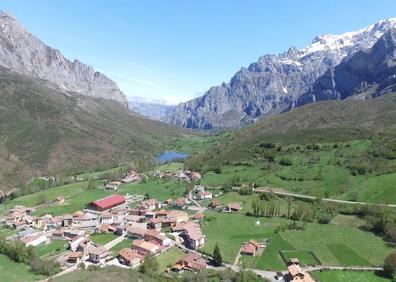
[274, 83]
[23, 53]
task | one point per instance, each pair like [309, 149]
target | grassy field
[102, 239]
[76, 197]
[352, 244]
[271, 258]
[126, 243]
[348, 220]
[169, 258]
[332, 244]
[159, 189]
[244, 200]
[229, 231]
[305, 258]
[348, 276]
[194, 144]
[56, 246]
[16, 272]
[173, 167]
[346, 256]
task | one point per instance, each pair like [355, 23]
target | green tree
[390, 265]
[217, 258]
[150, 265]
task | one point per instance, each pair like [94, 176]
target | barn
[107, 203]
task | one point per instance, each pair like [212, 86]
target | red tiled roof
[110, 201]
[249, 248]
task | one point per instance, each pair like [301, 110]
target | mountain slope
[22, 52]
[274, 83]
[327, 121]
[46, 130]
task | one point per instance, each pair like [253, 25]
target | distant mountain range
[153, 109]
[276, 84]
[23, 53]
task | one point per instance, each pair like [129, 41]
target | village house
[250, 248]
[74, 257]
[215, 203]
[150, 204]
[106, 218]
[192, 235]
[204, 196]
[19, 225]
[198, 216]
[107, 203]
[297, 274]
[131, 176]
[58, 234]
[112, 185]
[67, 220]
[180, 203]
[157, 237]
[155, 223]
[191, 262]
[145, 248]
[105, 228]
[136, 232]
[26, 232]
[149, 215]
[34, 239]
[233, 207]
[179, 216]
[73, 244]
[133, 218]
[130, 258]
[96, 254]
[139, 212]
[70, 234]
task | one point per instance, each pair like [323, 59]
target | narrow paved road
[294, 195]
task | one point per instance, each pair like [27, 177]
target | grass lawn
[168, 258]
[320, 239]
[103, 238]
[56, 246]
[346, 256]
[305, 257]
[16, 272]
[244, 200]
[229, 231]
[348, 220]
[246, 174]
[347, 276]
[126, 243]
[271, 258]
[7, 232]
[173, 167]
[76, 197]
[159, 189]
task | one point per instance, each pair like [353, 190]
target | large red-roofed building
[107, 203]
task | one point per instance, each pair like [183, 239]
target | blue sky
[176, 50]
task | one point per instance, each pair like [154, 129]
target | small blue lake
[169, 156]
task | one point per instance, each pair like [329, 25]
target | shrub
[285, 162]
[390, 265]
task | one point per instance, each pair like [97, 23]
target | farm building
[107, 203]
